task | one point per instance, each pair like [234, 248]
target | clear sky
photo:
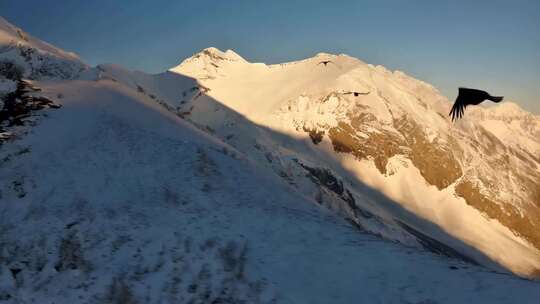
[492, 45]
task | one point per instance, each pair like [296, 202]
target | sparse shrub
[70, 254]
[18, 187]
[229, 257]
[205, 165]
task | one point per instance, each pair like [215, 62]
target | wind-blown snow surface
[114, 198]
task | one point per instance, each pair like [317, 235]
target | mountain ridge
[398, 115]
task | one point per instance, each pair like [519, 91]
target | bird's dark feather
[468, 97]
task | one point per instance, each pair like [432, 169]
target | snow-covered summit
[215, 54]
[207, 63]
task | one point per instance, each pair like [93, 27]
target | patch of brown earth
[527, 227]
[378, 146]
[440, 168]
[435, 160]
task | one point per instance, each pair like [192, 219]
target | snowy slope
[391, 132]
[114, 197]
[269, 111]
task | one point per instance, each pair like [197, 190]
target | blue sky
[493, 45]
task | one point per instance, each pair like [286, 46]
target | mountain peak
[215, 54]
[207, 62]
[323, 54]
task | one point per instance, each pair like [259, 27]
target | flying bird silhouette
[326, 62]
[467, 97]
[356, 94]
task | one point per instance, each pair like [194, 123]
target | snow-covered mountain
[479, 179]
[224, 181]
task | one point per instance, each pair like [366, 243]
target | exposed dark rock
[315, 135]
[357, 211]
[18, 105]
[15, 272]
[435, 246]
[325, 178]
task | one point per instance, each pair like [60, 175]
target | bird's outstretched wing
[467, 96]
[326, 62]
[458, 108]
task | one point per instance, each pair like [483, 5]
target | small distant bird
[326, 62]
[356, 94]
[467, 97]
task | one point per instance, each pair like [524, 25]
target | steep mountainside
[391, 132]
